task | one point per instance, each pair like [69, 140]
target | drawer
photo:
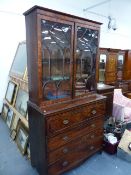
[80, 153]
[62, 121]
[61, 139]
[78, 143]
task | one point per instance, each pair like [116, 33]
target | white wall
[10, 36]
[12, 29]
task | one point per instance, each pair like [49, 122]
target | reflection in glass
[86, 51]
[120, 62]
[56, 55]
[102, 64]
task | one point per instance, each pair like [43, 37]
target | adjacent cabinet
[114, 68]
[65, 113]
[111, 65]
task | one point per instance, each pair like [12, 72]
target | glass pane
[120, 66]
[120, 61]
[86, 51]
[20, 61]
[102, 67]
[56, 57]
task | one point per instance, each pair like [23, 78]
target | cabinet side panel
[37, 140]
[32, 55]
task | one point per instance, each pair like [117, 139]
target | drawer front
[61, 139]
[76, 157]
[75, 145]
[64, 120]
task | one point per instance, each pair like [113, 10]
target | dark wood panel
[111, 62]
[109, 105]
[64, 16]
[32, 53]
[107, 91]
[37, 134]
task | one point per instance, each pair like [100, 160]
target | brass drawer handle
[65, 150]
[65, 122]
[93, 111]
[92, 136]
[92, 147]
[93, 125]
[65, 138]
[65, 163]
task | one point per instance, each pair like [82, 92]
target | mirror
[120, 61]
[102, 65]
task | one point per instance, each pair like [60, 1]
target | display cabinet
[65, 113]
[111, 66]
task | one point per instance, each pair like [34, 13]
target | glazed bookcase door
[56, 46]
[102, 67]
[120, 63]
[86, 44]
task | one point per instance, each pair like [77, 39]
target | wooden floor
[13, 163]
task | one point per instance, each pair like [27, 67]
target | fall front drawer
[75, 145]
[79, 153]
[66, 119]
[61, 139]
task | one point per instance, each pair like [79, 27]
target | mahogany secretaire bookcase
[65, 113]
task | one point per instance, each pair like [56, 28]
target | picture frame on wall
[22, 138]
[10, 92]
[4, 113]
[9, 117]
